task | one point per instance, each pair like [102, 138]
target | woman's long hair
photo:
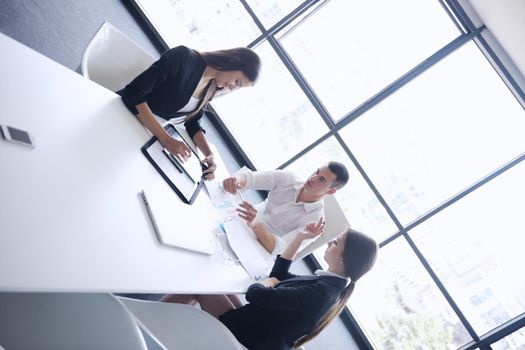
[359, 256]
[240, 58]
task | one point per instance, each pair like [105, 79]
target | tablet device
[186, 178]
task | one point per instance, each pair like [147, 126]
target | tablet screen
[192, 166]
[185, 178]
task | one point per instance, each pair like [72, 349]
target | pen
[240, 195]
[150, 214]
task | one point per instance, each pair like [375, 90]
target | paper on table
[226, 203]
[252, 255]
[254, 258]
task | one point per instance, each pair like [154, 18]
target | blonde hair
[359, 257]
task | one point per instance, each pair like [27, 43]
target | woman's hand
[179, 149]
[210, 163]
[270, 282]
[313, 229]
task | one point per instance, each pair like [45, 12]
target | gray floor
[60, 29]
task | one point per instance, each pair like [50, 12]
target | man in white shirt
[292, 203]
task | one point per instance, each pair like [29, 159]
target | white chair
[179, 326]
[336, 222]
[66, 321]
[112, 60]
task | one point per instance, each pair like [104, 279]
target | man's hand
[310, 231]
[313, 229]
[270, 282]
[248, 213]
[179, 149]
[230, 185]
[233, 184]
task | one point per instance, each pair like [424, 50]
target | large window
[437, 135]
[285, 120]
[403, 94]
[349, 50]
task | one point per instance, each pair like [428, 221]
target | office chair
[112, 60]
[67, 321]
[179, 326]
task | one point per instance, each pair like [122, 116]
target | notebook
[172, 226]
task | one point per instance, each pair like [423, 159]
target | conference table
[71, 215]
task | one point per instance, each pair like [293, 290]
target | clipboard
[186, 179]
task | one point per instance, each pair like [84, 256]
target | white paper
[253, 256]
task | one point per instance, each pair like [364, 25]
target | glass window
[270, 12]
[439, 134]
[514, 341]
[350, 50]
[273, 120]
[362, 209]
[203, 25]
[399, 307]
[483, 234]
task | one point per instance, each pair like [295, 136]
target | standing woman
[286, 310]
[179, 84]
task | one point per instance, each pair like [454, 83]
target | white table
[71, 218]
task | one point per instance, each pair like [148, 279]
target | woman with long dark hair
[285, 310]
[179, 84]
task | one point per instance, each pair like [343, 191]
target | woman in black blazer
[179, 84]
[286, 310]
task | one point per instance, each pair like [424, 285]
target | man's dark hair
[339, 170]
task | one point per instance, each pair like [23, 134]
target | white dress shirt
[280, 213]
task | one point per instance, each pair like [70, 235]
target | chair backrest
[67, 321]
[112, 60]
[181, 326]
[336, 222]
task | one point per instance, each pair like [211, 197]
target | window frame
[461, 17]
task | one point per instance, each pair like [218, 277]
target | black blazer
[276, 317]
[167, 86]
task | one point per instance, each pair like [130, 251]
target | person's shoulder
[180, 50]
[284, 172]
[287, 177]
[182, 55]
[294, 178]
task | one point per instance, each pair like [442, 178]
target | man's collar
[308, 207]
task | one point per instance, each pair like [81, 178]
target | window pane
[272, 120]
[350, 50]
[270, 12]
[476, 248]
[514, 341]
[204, 25]
[362, 209]
[399, 306]
[439, 134]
